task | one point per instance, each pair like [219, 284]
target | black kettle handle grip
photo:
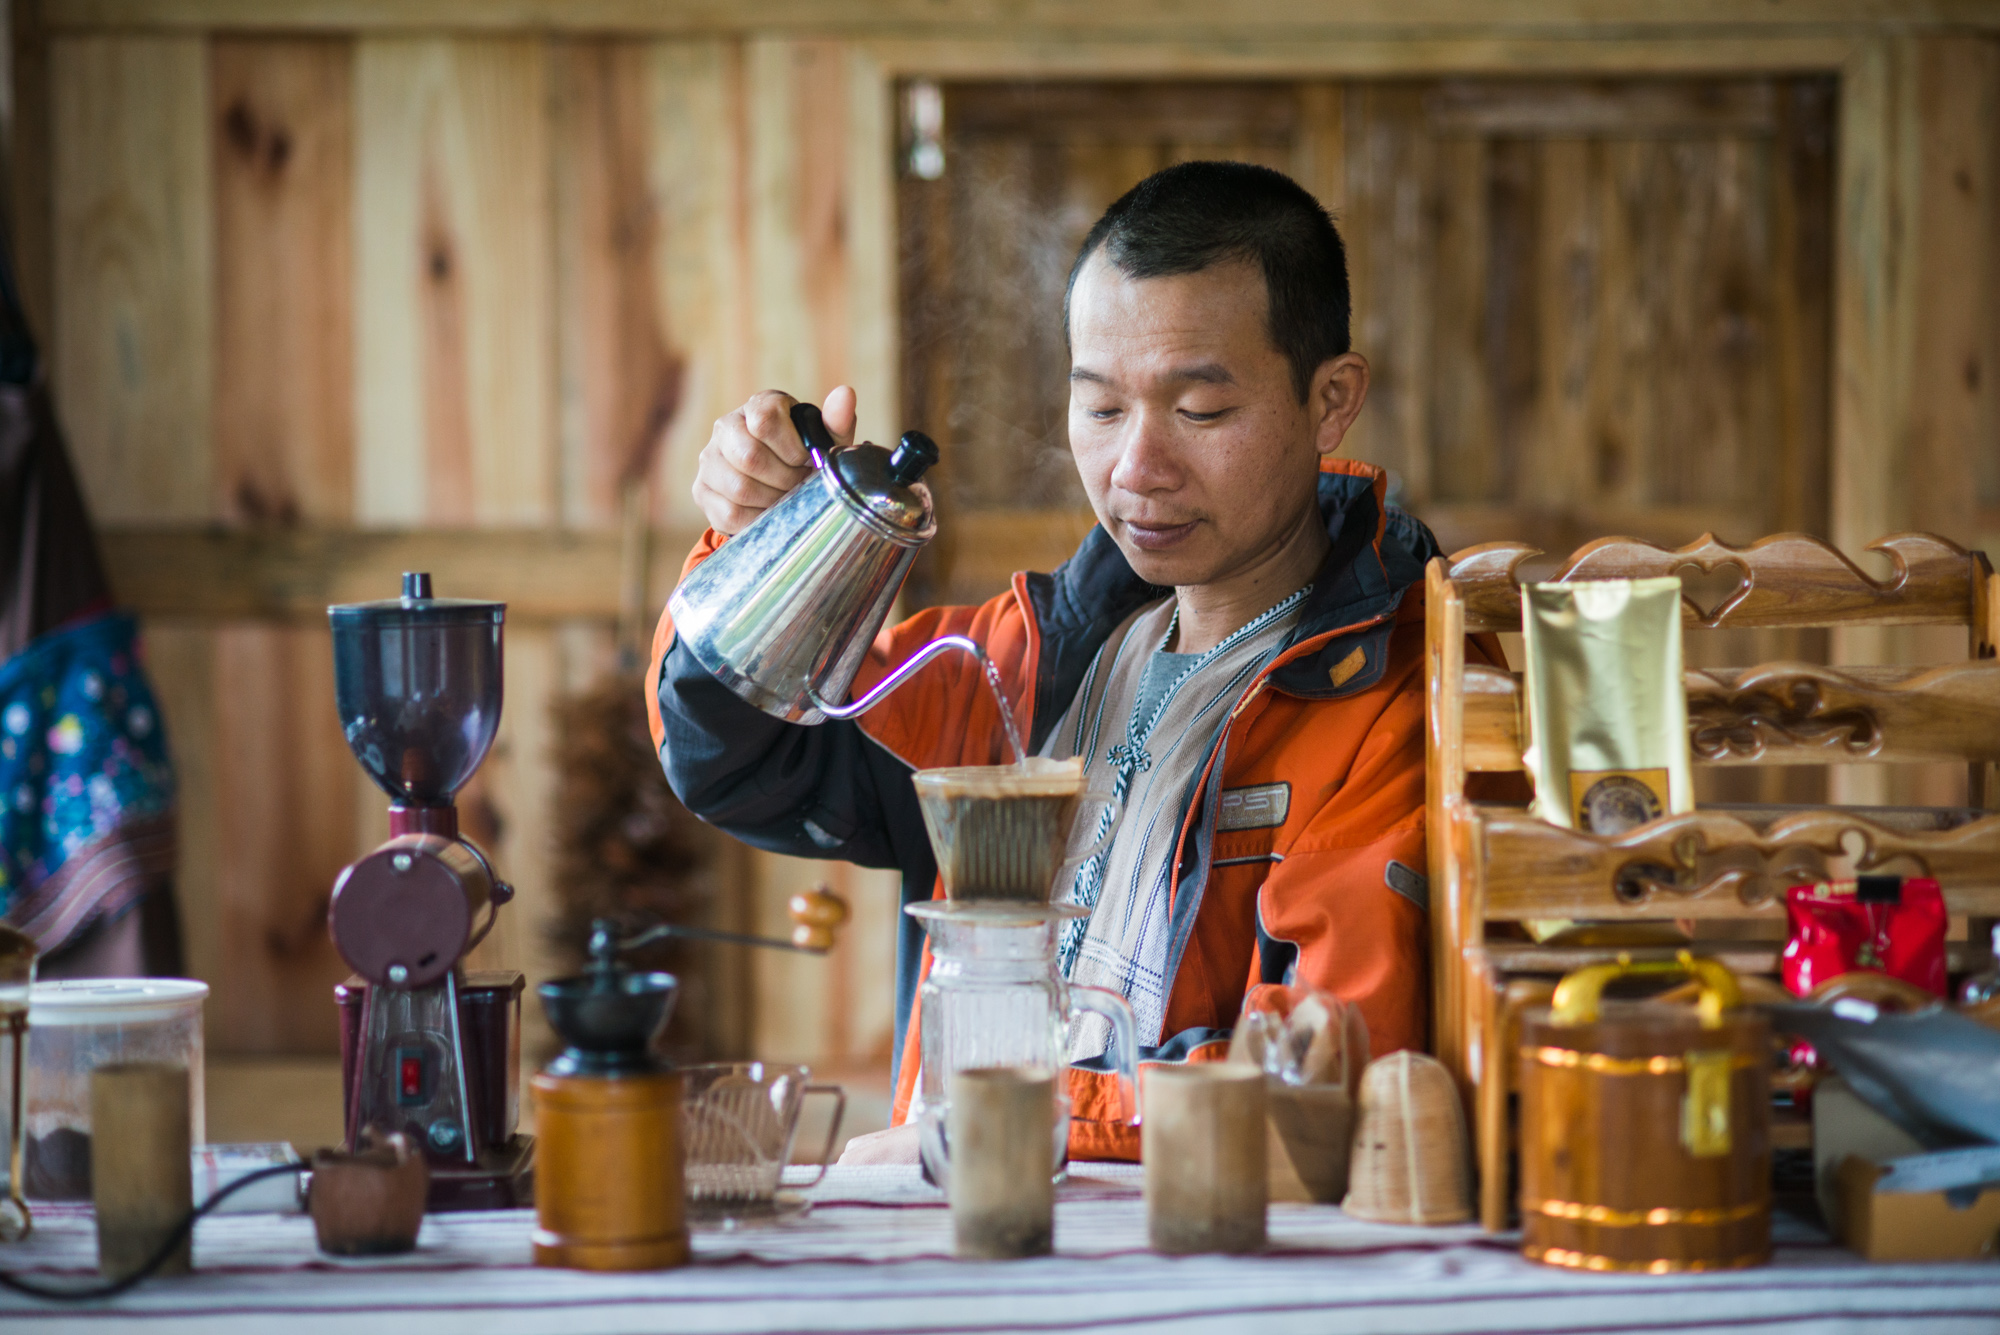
[812, 430]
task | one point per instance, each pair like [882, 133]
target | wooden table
[874, 1255]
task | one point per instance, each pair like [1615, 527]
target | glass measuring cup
[995, 997]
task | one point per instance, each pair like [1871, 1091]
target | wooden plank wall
[1582, 434]
[320, 284]
[341, 281]
[1917, 346]
[1589, 306]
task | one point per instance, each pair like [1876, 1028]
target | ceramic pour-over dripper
[1001, 832]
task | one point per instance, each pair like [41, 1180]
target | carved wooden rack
[1493, 865]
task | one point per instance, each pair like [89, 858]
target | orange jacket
[1301, 856]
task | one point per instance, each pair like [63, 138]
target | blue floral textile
[82, 751]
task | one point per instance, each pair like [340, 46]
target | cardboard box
[1842, 1124]
[1912, 1225]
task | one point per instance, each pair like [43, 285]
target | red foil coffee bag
[1887, 924]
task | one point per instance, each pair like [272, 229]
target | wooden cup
[1203, 1144]
[141, 1170]
[369, 1203]
[1002, 1126]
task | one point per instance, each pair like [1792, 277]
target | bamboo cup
[1003, 1197]
[1203, 1144]
[140, 1165]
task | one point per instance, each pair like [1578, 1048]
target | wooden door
[1590, 307]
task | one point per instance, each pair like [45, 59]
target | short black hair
[1197, 214]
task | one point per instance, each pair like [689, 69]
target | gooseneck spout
[888, 684]
[885, 687]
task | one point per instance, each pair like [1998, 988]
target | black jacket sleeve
[821, 791]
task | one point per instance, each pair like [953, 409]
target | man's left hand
[896, 1145]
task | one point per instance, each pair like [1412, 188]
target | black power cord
[98, 1292]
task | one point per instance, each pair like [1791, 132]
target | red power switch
[410, 1077]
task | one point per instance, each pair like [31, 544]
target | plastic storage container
[76, 1026]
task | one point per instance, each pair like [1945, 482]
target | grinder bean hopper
[428, 1048]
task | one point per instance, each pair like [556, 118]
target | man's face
[1193, 446]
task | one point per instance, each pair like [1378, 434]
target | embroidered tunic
[1145, 720]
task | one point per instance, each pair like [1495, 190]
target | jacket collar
[1378, 552]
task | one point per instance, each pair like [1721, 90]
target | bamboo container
[1645, 1128]
[1203, 1145]
[1409, 1161]
[1312, 1055]
[1003, 1198]
[1310, 1139]
[141, 1170]
[608, 1172]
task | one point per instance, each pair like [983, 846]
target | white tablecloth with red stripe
[874, 1255]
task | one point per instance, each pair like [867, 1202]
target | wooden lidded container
[1646, 1126]
[609, 1191]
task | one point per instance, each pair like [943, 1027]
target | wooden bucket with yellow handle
[1646, 1125]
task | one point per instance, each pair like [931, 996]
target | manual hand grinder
[426, 1048]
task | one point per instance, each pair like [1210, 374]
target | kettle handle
[812, 430]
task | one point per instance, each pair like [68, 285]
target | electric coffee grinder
[427, 1047]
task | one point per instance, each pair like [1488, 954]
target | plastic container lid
[416, 608]
[109, 1001]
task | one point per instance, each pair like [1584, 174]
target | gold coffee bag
[1607, 717]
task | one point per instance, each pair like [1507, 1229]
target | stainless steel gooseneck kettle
[783, 612]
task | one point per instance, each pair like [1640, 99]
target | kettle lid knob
[912, 455]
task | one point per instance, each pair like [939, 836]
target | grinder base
[503, 1178]
[568, 1254]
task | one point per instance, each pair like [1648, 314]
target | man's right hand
[754, 456]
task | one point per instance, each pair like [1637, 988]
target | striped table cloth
[874, 1255]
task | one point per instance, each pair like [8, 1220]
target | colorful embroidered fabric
[83, 759]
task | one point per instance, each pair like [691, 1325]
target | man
[1235, 650]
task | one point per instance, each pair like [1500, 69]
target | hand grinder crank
[427, 1049]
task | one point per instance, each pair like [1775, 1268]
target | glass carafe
[995, 997]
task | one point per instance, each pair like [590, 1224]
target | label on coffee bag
[1609, 801]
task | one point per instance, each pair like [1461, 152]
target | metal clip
[1705, 1110]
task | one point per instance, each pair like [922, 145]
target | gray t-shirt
[1162, 670]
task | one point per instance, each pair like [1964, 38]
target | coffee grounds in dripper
[1000, 832]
